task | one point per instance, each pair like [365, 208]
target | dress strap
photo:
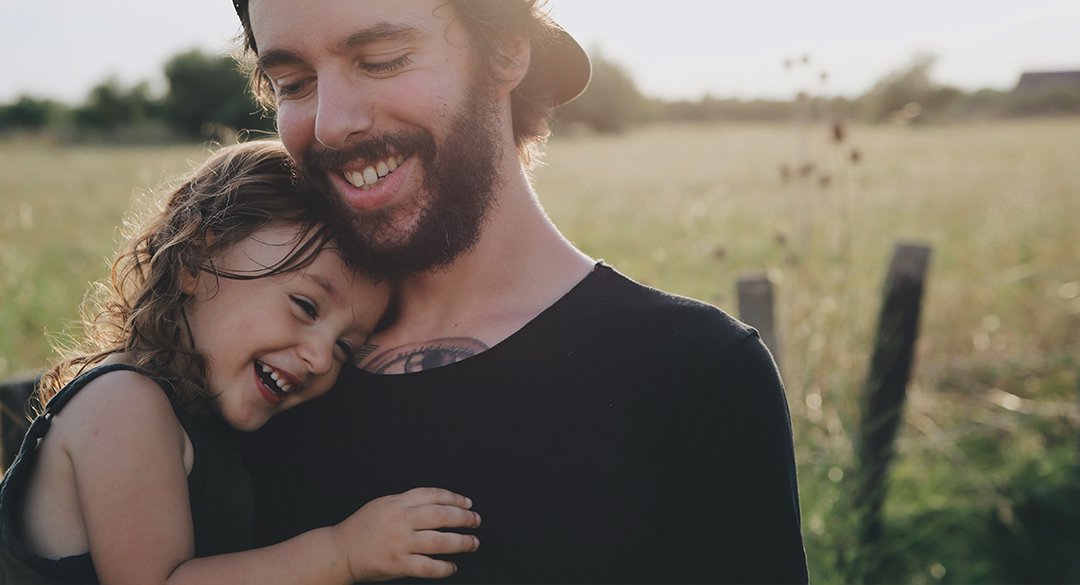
[40, 426]
[61, 398]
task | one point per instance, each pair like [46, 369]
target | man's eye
[288, 90]
[306, 306]
[387, 67]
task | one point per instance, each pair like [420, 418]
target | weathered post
[755, 292]
[886, 384]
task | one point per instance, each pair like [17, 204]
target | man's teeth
[277, 378]
[371, 174]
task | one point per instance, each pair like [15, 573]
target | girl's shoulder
[111, 389]
[114, 403]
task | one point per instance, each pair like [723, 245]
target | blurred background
[813, 168]
[685, 58]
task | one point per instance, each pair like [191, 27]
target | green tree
[208, 92]
[907, 90]
[110, 106]
[28, 113]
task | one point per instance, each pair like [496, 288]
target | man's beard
[445, 221]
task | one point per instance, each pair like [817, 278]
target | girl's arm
[127, 451]
[390, 537]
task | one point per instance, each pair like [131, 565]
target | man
[604, 430]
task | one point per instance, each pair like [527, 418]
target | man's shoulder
[626, 304]
[623, 295]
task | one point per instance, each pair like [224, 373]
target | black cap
[561, 65]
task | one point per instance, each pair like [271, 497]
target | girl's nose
[318, 354]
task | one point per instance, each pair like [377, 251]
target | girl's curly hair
[139, 310]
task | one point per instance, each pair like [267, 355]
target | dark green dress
[219, 487]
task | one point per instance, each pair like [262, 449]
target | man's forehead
[273, 56]
[353, 21]
[560, 65]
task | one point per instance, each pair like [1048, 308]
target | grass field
[985, 480]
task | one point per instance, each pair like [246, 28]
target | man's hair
[493, 27]
[139, 310]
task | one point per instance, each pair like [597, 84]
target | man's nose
[344, 112]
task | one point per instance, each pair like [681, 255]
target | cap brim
[565, 69]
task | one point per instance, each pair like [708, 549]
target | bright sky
[674, 48]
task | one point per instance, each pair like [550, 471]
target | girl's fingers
[429, 495]
[428, 568]
[432, 542]
[432, 516]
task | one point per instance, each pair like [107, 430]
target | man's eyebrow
[277, 57]
[383, 31]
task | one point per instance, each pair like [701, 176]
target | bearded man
[606, 431]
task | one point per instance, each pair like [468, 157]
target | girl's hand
[392, 536]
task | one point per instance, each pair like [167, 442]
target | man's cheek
[295, 128]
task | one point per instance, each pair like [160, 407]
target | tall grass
[60, 213]
[991, 424]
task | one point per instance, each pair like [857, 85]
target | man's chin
[381, 242]
[449, 191]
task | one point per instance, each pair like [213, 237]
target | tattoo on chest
[416, 357]
[361, 355]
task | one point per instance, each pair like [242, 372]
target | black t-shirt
[623, 435]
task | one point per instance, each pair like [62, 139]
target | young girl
[227, 307]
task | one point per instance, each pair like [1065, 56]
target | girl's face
[274, 342]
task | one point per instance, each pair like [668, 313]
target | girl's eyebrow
[323, 283]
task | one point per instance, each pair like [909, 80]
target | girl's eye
[306, 306]
[346, 350]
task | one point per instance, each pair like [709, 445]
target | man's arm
[732, 504]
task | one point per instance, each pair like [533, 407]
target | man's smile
[364, 178]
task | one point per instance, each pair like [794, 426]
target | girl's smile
[272, 342]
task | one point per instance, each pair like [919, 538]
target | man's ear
[516, 53]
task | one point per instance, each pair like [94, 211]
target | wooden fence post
[755, 292]
[886, 384]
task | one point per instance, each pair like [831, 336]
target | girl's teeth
[280, 381]
[276, 377]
